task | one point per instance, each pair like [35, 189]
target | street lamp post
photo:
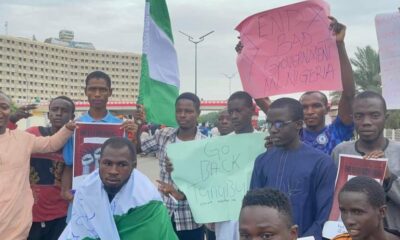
[229, 76]
[200, 39]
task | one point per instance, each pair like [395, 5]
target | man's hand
[168, 165]
[168, 189]
[239, 47]
[67, 195]
[22, 112]
[263, 103]
[71, 125]
[139, 115]
[378, 154]
[338, 29]
[129, 126]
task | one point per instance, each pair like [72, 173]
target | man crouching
[117, 201]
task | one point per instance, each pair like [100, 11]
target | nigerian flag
[159, 80]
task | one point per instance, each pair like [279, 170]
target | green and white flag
[135, 212]
[159, 81]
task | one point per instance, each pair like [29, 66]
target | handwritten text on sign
[288, 49]
[215, 173]
[388, 31]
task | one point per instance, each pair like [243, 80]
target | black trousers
[50, 230]
[194, 234]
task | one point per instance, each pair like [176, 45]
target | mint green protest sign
[215, 173]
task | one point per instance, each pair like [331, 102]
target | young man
[98, 90]
[266, 214]
[241, 109]
[315, 105]
[369, 114]
[49, 209]
[187, 110]
[16, 148]
[117, 201]
[363, 209]
[305, 174]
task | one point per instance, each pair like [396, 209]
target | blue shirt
[307, 176]
[69, 146]
[330, 136]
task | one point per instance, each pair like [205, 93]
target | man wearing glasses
[306, 175]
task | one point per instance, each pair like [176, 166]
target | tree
[210, 117]
[367, 69]
[366, 74]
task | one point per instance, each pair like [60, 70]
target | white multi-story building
[31, 69]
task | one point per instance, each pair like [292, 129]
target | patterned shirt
[158, 143]
[330, 136]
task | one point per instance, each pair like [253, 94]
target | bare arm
[346, 100]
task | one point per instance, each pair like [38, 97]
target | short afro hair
[323, 96]
[98, 74]
[294, 107]
[192, 97]
[272, 198]
[371, 94]
[371, 188]
[242, 95]
[118, 143]
[66, 99]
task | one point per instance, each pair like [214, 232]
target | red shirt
[45, 179]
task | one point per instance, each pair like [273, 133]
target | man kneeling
[117, 201]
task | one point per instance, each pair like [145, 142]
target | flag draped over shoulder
[159, 81]
[136, 212]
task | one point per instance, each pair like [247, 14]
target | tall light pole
[200, 39]
[229, 76]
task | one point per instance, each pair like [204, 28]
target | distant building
[35, 70]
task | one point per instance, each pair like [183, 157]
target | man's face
[224, 123]
[287, 131]
[314, 110]
[115, 168]
[359, 216]
[5, 111]
[261, 222]
[98, 93]
[60, 112]
[186, 114]
[369, 118]
[240, 114]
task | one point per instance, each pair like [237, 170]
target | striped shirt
[158, 143]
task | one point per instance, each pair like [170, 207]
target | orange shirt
[16, 198]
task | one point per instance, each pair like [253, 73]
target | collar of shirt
[109, 118]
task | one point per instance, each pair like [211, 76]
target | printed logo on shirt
[322, 139]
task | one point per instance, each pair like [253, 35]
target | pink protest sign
[289, 49]
[388, 31]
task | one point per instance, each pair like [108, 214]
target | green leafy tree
[210, 117]
[366, 72]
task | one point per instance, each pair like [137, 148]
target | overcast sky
[117, 25]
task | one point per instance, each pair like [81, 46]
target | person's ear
[294, 232]
[328, 108]
[299, 124]
[387, 116]
[110, 92]
[382, 211]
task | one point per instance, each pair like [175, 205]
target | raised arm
[346, 100]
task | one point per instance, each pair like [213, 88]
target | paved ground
[149, 166]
